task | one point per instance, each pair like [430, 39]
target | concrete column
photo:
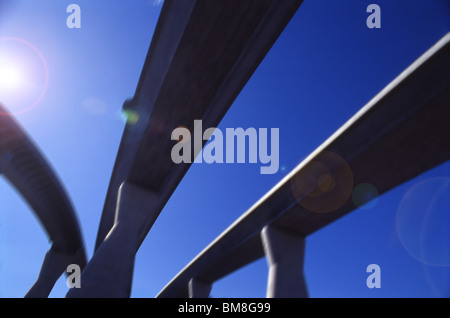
[285, 256]
[199, 288]
[54, 265]
[109, 273]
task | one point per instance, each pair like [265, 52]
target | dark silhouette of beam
[202, 54]
[402, 132]
[26, 169]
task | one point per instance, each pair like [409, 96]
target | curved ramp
[27, 170]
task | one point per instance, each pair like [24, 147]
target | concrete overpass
[201, 56]
[26, 169]
[403, 131]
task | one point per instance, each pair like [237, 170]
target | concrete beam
[202, 54]
[285, 253]
[27, 170]
[402, 132]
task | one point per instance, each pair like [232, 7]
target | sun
[24, 75]
[11, 77]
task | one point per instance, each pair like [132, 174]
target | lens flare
[94, 106]
[325, 184]
[423, 221]
[365, 196]
[136, 118]
[24, 75]
[11, 77]
[131, 117]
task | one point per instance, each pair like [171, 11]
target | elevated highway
[26, 169]
[402, 132]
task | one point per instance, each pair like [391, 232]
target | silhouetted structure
[27, 170]
[202, 54]
[402, 132]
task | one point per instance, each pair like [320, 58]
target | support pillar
[199, 288]
[285, 257]
[109, 273]
[54, 265]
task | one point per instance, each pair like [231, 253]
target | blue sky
[324, 67]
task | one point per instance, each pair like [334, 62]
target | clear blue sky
[324, 67]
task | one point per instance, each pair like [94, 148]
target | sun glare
[11, 77]
[23, 75]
